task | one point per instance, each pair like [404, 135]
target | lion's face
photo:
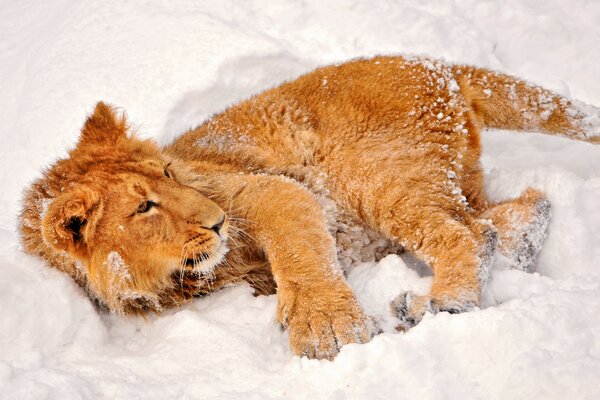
[130, 217]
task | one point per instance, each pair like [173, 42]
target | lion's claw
[324, 336]
[327, 337]
[404, 309]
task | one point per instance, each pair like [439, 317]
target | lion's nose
[217, 227]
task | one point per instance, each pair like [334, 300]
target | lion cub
[263, 191]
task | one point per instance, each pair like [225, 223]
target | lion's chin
[205, 263]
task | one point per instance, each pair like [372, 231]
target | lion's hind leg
[522, 224]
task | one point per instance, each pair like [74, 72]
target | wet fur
[385, 148]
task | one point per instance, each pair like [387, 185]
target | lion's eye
[146, 206]
[167, 173]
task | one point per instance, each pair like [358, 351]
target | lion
[280, 191]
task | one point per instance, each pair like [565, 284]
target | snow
[172, 64]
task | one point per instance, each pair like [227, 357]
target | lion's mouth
[205, 262]
[192, 262]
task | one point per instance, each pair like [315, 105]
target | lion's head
[125, 216]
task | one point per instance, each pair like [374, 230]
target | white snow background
[170, 65]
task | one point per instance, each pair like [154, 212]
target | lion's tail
[504, 102]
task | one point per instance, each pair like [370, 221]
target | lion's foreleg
[315, 303]
[437, 226]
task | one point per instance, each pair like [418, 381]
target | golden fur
[389, 144]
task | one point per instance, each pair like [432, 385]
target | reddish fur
[394, 148]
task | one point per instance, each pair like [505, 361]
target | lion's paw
[320, 324]
[410, 308]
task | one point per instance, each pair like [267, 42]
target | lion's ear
[104, 125]
[71, 220]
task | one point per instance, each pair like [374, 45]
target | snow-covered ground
[172, 63]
